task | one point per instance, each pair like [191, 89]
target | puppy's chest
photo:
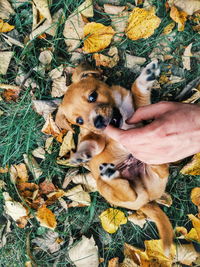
[125, 105]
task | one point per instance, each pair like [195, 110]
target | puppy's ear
[84, 70]
[61, 121]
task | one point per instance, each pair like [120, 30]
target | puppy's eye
[92, 97]
[79, 120]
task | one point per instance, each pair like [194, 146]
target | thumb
[114, 133]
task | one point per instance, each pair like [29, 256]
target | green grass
[20, 133]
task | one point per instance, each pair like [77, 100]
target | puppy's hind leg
[141, 88]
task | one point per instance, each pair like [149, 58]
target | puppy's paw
[81, 157]
[148, 76]
[108, 171]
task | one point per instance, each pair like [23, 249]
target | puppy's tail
[153, 211]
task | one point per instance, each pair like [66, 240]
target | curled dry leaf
[45, 57]
[5, 58]
[49, 145]
[196, 224]
[84, 253]
[5, 9]
[142, 23]
[50, 127]
[107, 61]
[13, 208]
[86, 9]
[5, 27]
[165, 200]
[45, 107]
[111, 219]
[189, 6]
[59, 87]
[18, 173]
[56, 73]
[32, 165]
[195, 196]
[180, 232]
[195, 97]
[87, 180]
[193, 167]
[46, 217]
[42, 6]
[39, 152]
[132, 61]
[54, 196]
[67, 144]
[79, 195]
[179, 17]
[4, 170]
[186, 57]
[47, 187]
[168, 29]
[97, 37]
[27, 190]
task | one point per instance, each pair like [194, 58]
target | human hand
[173, 134]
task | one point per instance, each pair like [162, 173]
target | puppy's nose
[99, 122]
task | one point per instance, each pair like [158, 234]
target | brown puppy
[121, 179]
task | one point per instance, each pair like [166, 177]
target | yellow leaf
[192, 235]
[142, 23]
[195, 196]
[180, 231]
[179, 17]
[111, 219]
[5, 27]
[46, 217]
[193, 167]
[168, 29]
[97, 37]
[196, 224]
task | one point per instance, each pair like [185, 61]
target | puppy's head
[88, 103]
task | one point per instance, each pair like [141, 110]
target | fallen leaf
[45, 107]
[114, 262]
[45, 57]
[118, 20]
[49, 145]
[84, 253]
[107, 61]
[27, 190]
[42, 6]
[46, 217]
[22, 222]
[175, 79]
[50, 241]
[50, 127]
[73, 30]
[179, 17]
[195, 196]
[186, 57]
[87, 180]
[13, 208]
[196, 224]
[5, 27]
[59, 87]
[5, 9]
[97, 37]
[5, 58]
[4, 170]
[18, 173]
[195, 97]
[168, 29]
[33, 166]
[189, 6]
[186, 254]
[192, 235]
[11, 41]
[11, 94]
[39, 152]
[79, 195]
[47, 187]
[2, 185]
[56, 73]
[165, 200]
[193, 167]
[68, 144]
[138, 218]
[142, 23]
[86, 9]
[111, 219]
[131, 61]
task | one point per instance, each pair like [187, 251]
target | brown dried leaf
[43, 7]
[5, 9]
[27, 190]
[54, 196]
[87, 180]
[186, 254]
[142, 23]
[18, 173]
[68, 144]
[50, 127]
[47, 187]
[86, 9]
[39, 152]
[59, 87]
[45, 107]
[193, 167]
[186, 57]
[4, 170]
[5, 58]
[79, 195]
[138, 218]
[97, 37]
[189, 6]
[32, 165]
[45, 57]
[46, 217]
[114, 262]
[107, 61]
[179, 17]
[132, 61]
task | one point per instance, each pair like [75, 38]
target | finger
[114, 133]
[150, 112]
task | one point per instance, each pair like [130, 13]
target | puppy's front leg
[89, 146]
[141, 88]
